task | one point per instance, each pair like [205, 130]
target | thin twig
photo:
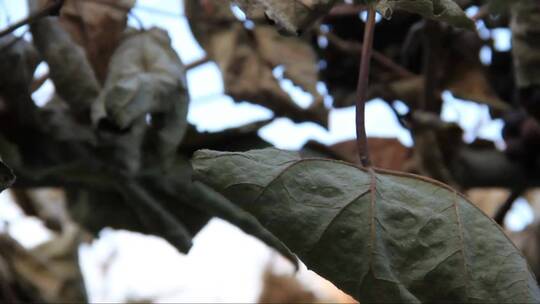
[341, 10]
[197, 63]
[52, 9]
[507, 205]
[38, 82]
[361, 92]
[353, 47]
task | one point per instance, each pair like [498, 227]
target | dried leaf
[73, 77]
[51, 268]
[98, 27]
[379, 236]
[146, 90]
[386, 153]
[488, 200]
[525, 48]
[18, 61]
[241, 138]
[294, 15]
[247, 59]
[466, 79]
[441, 10]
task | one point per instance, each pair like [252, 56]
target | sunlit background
[225, 264]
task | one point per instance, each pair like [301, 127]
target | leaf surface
[381, 237]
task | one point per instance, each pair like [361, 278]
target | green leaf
[292, 15]
[441, 10]
[6, 176]
[379, 236]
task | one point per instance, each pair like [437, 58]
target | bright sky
[224, 264]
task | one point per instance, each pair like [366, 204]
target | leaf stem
[361, 91]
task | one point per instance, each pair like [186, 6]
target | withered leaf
[247, 59]
[377, 235]
[293, 15]
[386, 153]
[146, 89]
[73, 77]
[441, 10]
[98, 27]
[51, 268]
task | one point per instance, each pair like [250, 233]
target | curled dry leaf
[145, 91]
[98, 27]
[379, 236]
[293, 15]
[247, 59]
[71, 72]
[51, 268]
[441, 10]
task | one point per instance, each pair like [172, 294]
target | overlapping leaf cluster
[114, 138]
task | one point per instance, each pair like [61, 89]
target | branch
[52, 9]
[353, 47]
[503, 210]
[197, 63]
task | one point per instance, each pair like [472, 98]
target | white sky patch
[502, 39]
[473, 118]
[220, 113]
[46, 91]
[519, 216]
[204, 81]
[28, 231]
[380, 122]
[16, 11]
[224, 265]
[486, 55]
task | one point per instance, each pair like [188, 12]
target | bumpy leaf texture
[441, 10]
[379, 236]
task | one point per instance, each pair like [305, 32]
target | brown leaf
[293, 15]
[488, 199]
[283, 289]
[51, 268]
[247, 59]
[386, 153]
[468, 81]
[98, 27]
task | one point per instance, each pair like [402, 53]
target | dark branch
[52, 9]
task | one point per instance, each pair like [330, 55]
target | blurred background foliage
[114, 140]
